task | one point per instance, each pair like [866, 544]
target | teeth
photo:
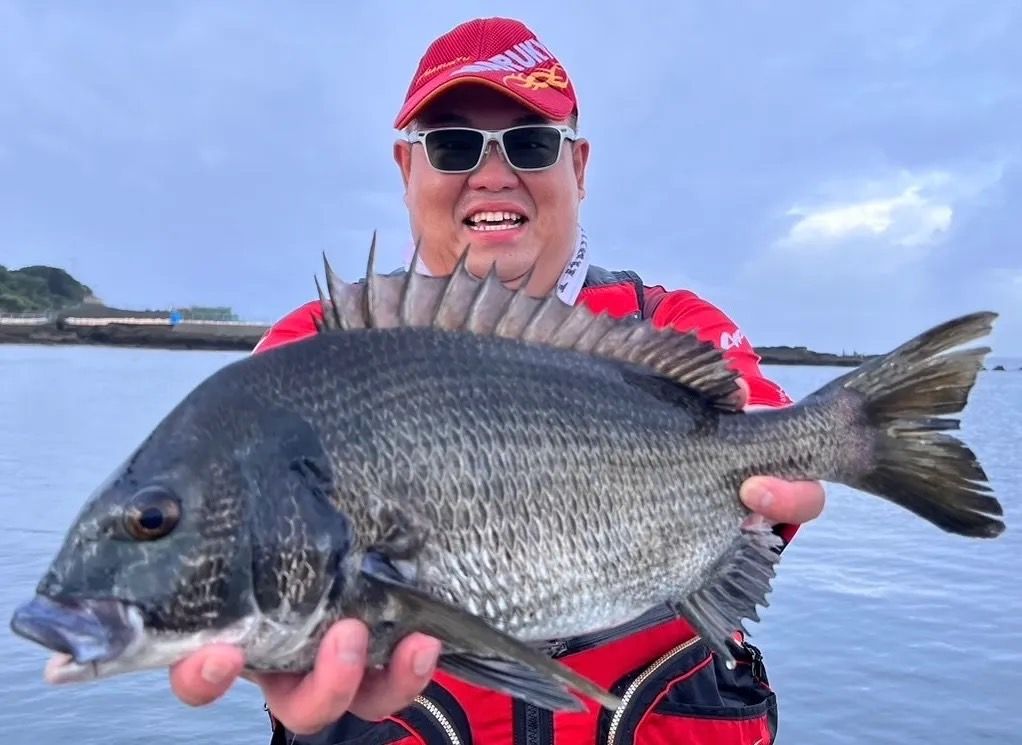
[494, 220]
[497, 226]
[57, 661]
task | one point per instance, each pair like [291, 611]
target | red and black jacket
[673, 688]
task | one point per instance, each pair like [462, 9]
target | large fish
[495, 469]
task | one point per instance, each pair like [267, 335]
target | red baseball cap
[501, 53]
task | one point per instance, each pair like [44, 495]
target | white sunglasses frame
[495, 135]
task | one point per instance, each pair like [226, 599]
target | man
[515, 198]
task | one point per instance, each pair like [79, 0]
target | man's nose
[494, 172]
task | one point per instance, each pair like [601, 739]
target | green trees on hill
[39, 288]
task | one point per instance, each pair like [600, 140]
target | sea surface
[881, 628]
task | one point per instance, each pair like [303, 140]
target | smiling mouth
[489, 221]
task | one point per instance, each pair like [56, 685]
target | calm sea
[881, 629]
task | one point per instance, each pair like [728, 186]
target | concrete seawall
[154, 333]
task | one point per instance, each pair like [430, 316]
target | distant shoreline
[183, 336]
[243, 337]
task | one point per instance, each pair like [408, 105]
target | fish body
[494, 469]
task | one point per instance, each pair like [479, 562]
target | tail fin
[914, 462]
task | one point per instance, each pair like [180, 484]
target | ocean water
[881, 629]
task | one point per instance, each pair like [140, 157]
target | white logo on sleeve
[731, 340]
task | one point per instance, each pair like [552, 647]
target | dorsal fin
[463, 302]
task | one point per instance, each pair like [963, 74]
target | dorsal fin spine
[371, 291]
[409, 287]
[531, 329]
[449, 286]
[490, 284]
[487, 307]
[571, 327]
[505, 326]
[334, 290]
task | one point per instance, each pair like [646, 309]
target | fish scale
[451, 456]
[564, 461]
[548, 428]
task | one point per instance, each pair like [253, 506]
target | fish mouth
[84, 633]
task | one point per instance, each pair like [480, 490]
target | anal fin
[735, 587]
[482, 654]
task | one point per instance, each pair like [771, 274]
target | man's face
[442, 206]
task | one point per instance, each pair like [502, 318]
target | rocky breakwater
[46, 305]
[802, 356]
[130, 329]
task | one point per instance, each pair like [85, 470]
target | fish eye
[152, 513]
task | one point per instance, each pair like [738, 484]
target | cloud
[866, 259]
[910, 218]
[881, 223]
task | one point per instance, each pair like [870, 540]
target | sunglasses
[529, 147]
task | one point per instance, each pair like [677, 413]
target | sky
[834, 175]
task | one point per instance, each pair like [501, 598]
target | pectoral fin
[485, 656]
[512, 678]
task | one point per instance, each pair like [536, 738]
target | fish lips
[88, 630]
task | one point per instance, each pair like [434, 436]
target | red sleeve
[296, 325]
[686, 311]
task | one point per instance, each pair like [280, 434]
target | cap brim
[548, 102]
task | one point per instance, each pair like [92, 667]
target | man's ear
[580, 159]
[403, 158]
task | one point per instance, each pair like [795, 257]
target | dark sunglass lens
[532, 147]
[453, 149]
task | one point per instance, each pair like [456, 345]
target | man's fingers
[406, 675]
[307, 704]
[206, 675]
[779, 501]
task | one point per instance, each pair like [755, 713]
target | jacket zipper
[561, 647]
[629, 693]
[441, 719]
[532, 731]
[531, 725]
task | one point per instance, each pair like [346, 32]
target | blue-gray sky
[839, 175]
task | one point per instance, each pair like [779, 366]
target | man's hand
[339, 683]
[780, 501]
